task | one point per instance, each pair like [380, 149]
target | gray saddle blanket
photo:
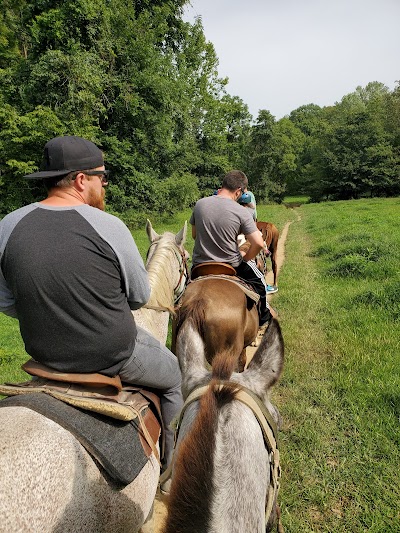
[113, 443]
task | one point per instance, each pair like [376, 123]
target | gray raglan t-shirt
[219, 220]
[71, 275]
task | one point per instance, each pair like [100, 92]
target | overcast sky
[281, 54]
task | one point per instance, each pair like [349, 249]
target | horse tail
[193, 310]
[274, 237]
[189, 507]
[223, 365]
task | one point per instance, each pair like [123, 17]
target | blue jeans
[155, 367]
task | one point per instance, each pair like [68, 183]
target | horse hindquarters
[51, 484]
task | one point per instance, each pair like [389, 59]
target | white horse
[226, 463]
[48, 481]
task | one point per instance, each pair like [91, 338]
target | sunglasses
[103, 174]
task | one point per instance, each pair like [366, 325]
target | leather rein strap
[268, 428]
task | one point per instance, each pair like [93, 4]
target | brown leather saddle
[100, 394]
[95, 380]
[223, 271]
[212, 268]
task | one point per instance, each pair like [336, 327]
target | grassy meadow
[339, 395]
[339, 305]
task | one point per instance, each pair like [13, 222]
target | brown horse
[226, 319]
[270, 235]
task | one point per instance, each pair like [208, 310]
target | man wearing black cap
[71, 274]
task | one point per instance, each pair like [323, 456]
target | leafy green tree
[356, 158]
[289, 143]
[350, 148]
[260, 156]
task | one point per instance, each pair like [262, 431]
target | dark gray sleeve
[7, 301]
[120, 239]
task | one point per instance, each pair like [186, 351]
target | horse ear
[266, 366]
[152, 235]
[190, 353]
[180, 238]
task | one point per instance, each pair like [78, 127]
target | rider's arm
[256, 243]
[135, 281]
[193, 231]
[133, 271]
[7, 225]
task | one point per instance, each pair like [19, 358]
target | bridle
[180, 287]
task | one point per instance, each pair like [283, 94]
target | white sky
[281, 54]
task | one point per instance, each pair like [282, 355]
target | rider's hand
[267, 252]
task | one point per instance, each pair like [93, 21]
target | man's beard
[97, 200]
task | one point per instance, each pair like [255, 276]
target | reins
[268, 428]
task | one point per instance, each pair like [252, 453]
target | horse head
[166, 265]
[261, 374]
[180, 237]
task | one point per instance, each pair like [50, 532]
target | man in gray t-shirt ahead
[216, 222]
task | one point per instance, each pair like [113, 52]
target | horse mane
[160, 272]
[192, 488]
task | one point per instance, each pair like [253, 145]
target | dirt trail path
[161, 501]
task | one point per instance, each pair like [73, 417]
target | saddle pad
[114, 444]
[232, 279]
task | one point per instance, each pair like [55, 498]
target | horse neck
[155, 322]
[163, 270]
[216, 448]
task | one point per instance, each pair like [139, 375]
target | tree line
[135, 78]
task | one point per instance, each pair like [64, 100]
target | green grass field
[338, 303]
[340, 392]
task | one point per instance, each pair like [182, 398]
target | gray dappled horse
[48, 481]
[222, 468]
